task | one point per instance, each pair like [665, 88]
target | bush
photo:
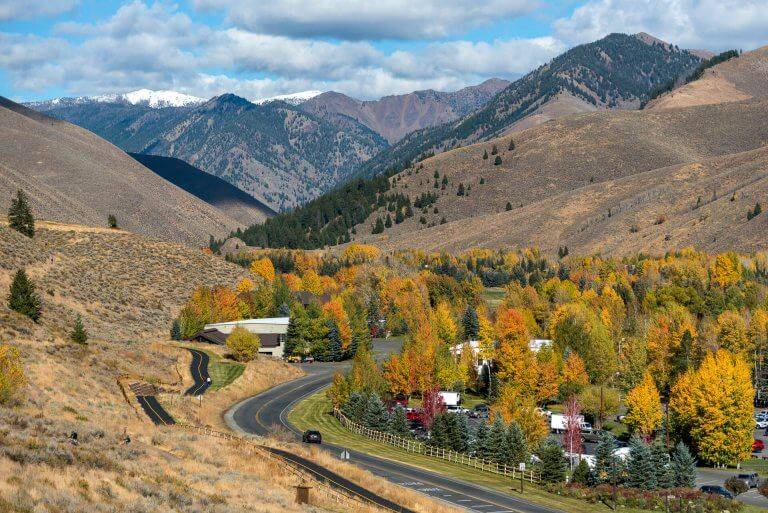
[12, 378]
[243, 344]
[112, 221]
[736, 485]
[79, 335]
[497, 160]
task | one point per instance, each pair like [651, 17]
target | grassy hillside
[72, 175]
[585, 181]
[618, 71]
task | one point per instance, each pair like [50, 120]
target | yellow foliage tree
[12, 378]
[245, 285]
[732, 333]
[335, 309]
[663, 336]
[243, 344]
[357, 254]
[263, 268]
[513, 405]
[644, 407]
[486, 335]
[714, 403]
[574, 378]
[292, 281]
[444, 325]
[515, 362]
[311, 282]
[725, 270]
[226, 305]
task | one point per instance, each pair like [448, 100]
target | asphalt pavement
[198, 368]
[262, 413]
[154, 411]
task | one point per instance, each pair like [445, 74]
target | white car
[761, 424]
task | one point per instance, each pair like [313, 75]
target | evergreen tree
[452, 435]
[376, 416]
[408, 211]
[553, 464]
[641, 472]
[496, 440]
[335, 352]
[471, 323]
[508, 207]
[683, 467]
[378, 227]
[459, 432]
[661, 468]
[494, 150]
[485, 154]
[388, 221]
[355, 407]
[497, 160]
[460, 191]
[607, 465]
[438, 431]
[398, 422]
[480, 444]
[79, 335]
[176, 330]
[582, 474]
[20, 216]
[516, 446]
[23, 298]
[511, 145]
[112, 222]
[399, 217]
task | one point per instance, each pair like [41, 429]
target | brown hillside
[72, 175]
[737, 79]
[565, 174]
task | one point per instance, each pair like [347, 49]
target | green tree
[683, 466]
[355, 408]
[112, 221]
[511, 145]
[641, 472]
[582, 474]
[497, 160]
[661, 465]
[20, 216]
[496, 439]
[376, 416]
[78, 334]
[23, 298]
[480, 443]
[378, 227]
[243, 344]
[508, 207]
[485, 154]
[470, 323]
[176, 330]
[460, 191]
[494, 150]
[607, 464]
[516, 448]
[553, 464]
[388, 221]
[438, 431]
[335, 352]
[399, 217]
[398, 422]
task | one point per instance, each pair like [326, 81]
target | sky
[363, 48]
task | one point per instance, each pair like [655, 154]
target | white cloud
[710, 24]
[366, 19]
[28, 9]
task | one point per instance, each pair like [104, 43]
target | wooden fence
[411, 445]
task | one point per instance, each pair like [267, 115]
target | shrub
[12, 378]
[736, 485]
[497, 160]
[79, 335]
[112, 221]
[243, 344]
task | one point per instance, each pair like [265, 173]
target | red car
[758, 446]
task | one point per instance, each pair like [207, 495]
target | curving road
[199, 370]
[262, 413]
[154, 411]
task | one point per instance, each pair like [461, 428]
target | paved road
[199, 370]
[260, 414]
[154, 411]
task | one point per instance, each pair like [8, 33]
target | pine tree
[20, 215]
[494, 150]
[582, 474]
[335, 352]
[460, 191]
[497, 160]
[452, 435]
[23, 298]
[661, 468]
[378, 227]
[462, 433]
[438, 433]
[485, 154]
[516, 446]
[398, 422]
[388, 221]
[508, 207]
[640, 467]
[176, 330]
[355, 408]
[480, 444]
[553, 464]
[112, 222]
[606, 463]
[511, 145]
[496, 440]
[376, 416]
[683, 467]
[79, 335]
[399, 217]
[471, 323]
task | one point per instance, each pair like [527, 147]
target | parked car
[308, 359]
[312, 436]
[456, 409]
[761, 424]
[294, 359]
[480, 411]
[758, 445]
[592, 436]
[752, 479]
[716, 490]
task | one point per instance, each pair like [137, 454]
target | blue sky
[256, 49]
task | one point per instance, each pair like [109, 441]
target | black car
[716, 490]
[479, 411]
[752, 479]
[312, 436]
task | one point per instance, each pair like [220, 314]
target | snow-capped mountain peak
[152, 99]
[293, 98]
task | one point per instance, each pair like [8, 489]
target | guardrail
[414, 446]
[332, 488]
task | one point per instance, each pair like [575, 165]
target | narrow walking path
[154, 411]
